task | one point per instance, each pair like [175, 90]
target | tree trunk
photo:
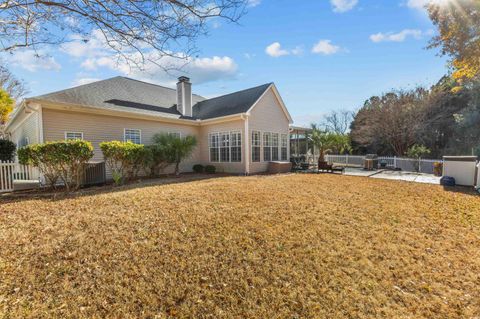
[177, 169]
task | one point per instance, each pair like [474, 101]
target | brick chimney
[184, 96]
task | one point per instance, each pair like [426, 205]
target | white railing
[14, 171]
[403, 163]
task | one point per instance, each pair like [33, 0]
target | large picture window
[284, 145]
[256, 144]
[274, 146]
[267, 147]
[225, 146]
[132, 135]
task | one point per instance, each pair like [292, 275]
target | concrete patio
[394, 175]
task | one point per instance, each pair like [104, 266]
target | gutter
[84, 108]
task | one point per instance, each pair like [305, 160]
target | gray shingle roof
[233, 103]
[125, 94]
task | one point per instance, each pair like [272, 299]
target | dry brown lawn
[291, 246]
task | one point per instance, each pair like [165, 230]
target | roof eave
[99, 110]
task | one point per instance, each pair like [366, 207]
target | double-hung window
[132, 135]
[73, 136]
[236, 146]
[256, 144]
[213, 144]
[267, 146]
[225, 147]
[274, 146]
[284, 144]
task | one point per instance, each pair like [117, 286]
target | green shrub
[125, 159]
[210, 169]
[157, 159]
[198, 168]
[7, 150]
[175, 149]
[62, 160]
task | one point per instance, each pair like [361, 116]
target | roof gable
[233, 103]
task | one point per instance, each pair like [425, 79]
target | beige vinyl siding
[99, 128]
[267, 116]
[205, 130]
[28, 128]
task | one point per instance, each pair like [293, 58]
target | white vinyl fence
[13, 171]
[403, 163]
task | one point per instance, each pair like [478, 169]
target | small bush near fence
[198, 168]
[210, 169]
[62, 160]
[7, 150]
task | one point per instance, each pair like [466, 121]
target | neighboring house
[238, 133]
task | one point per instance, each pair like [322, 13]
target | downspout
[40, 124]
[247, 145]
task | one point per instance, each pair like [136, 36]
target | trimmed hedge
[125, 159]
[210, 169]
[198, 168]
[7, 150]
[62, 160]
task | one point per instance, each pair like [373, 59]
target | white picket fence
[403, 163]
[10, 172]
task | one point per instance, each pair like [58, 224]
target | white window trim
[261, 144]
[229, 147]
[132, 129]
[73, 132]
[173, 132]
[279, 147]
[282, 147]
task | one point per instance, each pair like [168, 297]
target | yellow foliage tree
[458, 23]
[6, 106]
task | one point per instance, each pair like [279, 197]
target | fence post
[419, 165]
[347, 160]
[395, 161]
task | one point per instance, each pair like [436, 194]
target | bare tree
[338, 121]
[129, 27]
[12, 85]
[390, 122]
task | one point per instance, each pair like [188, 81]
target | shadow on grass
[467, 190]
[105, 189]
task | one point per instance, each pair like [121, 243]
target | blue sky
[323, 55]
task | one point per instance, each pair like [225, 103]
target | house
[239, 132]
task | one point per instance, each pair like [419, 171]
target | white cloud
[396, 37]
[72, 22]
[422, 4]
[253, 3]
[33, 61]
[249, 56]
[325, 47]
[151, 66]
[298, 50]
[82, 81]
[275, 50]
[200, 70]
[343, 5]
[79, 46]
[417, 4]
